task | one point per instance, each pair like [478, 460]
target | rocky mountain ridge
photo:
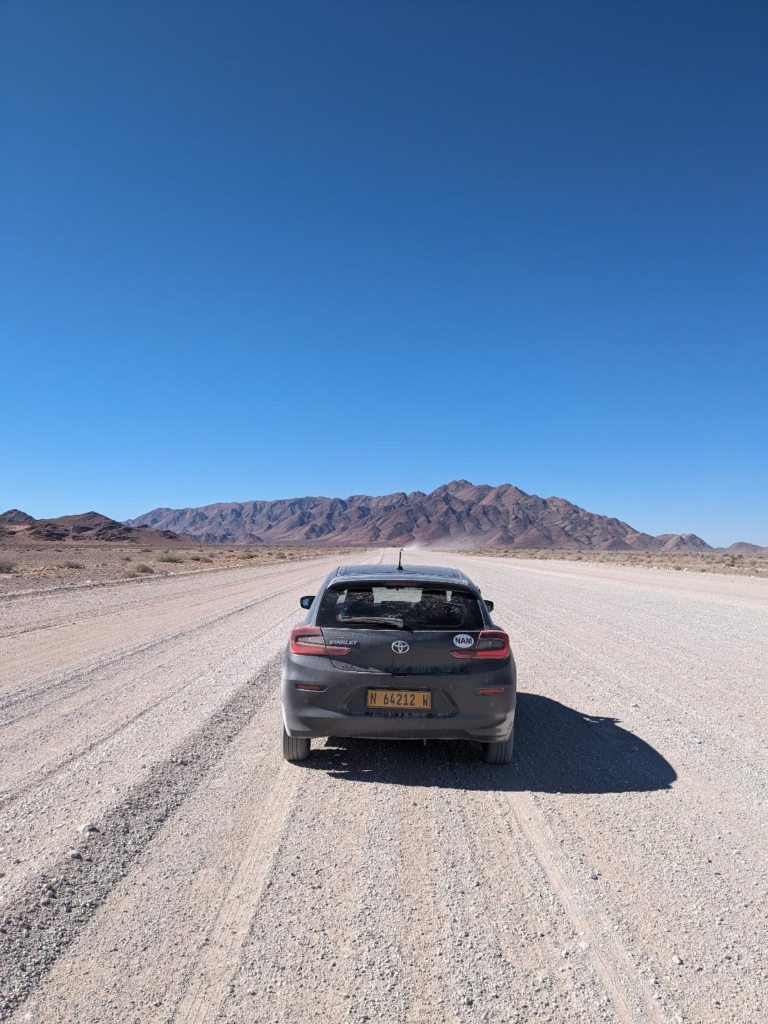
[19, 528]
[456, 515]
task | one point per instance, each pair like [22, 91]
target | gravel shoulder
[159, 862]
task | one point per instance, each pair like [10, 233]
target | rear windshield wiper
[373, 620]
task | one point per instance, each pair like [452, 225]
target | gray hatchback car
[391, 652]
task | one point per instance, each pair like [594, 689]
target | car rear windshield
[416, 606]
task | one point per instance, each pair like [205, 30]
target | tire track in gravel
[509, 922]
[605, 951]
[127, 593]
[550, 638]
[666, 885]
[301, 958]
[166, 925]
[116, 694]
[30, 823]
[456, 919]
[690, 722]
[380, 957]
[46, 919]
[114, 686]
[544, 651]
[231, 923]
[333, 920]
[105, 633]
[142, 581]
[433, 987]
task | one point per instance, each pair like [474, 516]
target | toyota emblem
[400, 647]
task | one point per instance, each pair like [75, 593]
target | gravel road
[160, 862]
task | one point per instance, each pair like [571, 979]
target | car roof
[425, 573]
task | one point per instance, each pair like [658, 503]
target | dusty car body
[398, 652]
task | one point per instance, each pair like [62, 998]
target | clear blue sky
[257, 250]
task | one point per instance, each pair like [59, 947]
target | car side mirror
[489, 605]
[306, 602]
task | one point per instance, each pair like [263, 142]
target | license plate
[399, 700]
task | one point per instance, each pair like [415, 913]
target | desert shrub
[281, 554]
[205, 558]
[70, 563]
[126, 558]
[7, 564]
[142, 568]
[245, 554]
[169, 557]
[194, 558]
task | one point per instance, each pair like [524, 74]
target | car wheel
[295, 748]
[499, 753]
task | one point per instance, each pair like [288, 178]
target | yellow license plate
[399, 700]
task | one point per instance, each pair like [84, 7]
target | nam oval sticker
[464, 641]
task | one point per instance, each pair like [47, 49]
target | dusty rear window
[417, 606]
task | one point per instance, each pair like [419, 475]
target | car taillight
[310, 640]
[492, 643]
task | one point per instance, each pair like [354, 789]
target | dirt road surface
[160, 862]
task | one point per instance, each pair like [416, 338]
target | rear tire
[295, 748]
[499, 753]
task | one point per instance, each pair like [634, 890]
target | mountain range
[17, 527]
[457, 515]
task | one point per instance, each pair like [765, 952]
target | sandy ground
[721, 562]
[45, 566]
[160, 862]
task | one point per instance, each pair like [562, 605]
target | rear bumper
[471, 716]
[315, 723]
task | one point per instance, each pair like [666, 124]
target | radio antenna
[400, 561]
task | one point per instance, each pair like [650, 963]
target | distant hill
[743, 547]
[16, 518]
[458, 514]
[682, 542]
[19, 528]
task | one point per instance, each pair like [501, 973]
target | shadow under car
[557, 750]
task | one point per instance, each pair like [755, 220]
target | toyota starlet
[398, 652]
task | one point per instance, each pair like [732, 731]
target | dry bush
[70, 563]
[140, 569]
[7, 564]
[205, 558]
[169, 557]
